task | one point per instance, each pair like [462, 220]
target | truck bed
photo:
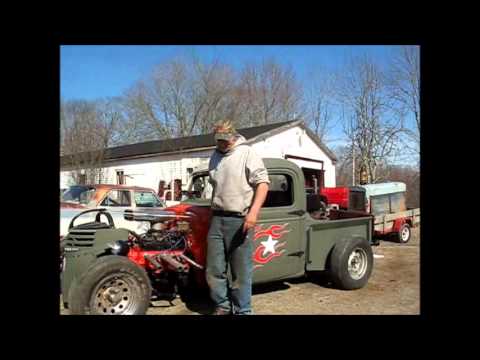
[322, 235]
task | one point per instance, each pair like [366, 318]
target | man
[240, 185]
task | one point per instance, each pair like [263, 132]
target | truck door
[279, 235]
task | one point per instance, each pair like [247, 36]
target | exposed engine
[163, 240]
[163, 251]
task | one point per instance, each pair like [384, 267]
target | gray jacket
[234, 177]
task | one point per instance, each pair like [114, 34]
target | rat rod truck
[108, 270]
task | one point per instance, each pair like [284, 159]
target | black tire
[339, 272]
[404, 234]
[112, 285]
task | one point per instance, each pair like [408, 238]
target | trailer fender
[398, 224]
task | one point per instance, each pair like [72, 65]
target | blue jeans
[229, 248]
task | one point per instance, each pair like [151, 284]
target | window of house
[117, 198]
[280, 192]
[82, 179]
[120, 177]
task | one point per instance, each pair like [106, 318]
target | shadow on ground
[200, 302]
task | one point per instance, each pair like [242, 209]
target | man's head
[225, 135]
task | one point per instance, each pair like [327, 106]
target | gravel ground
[393, 288]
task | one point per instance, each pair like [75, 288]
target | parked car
[113, 271]
[115, 198]
[105, 195]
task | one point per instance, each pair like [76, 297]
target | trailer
[386, 202]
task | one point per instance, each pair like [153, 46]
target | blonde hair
[224, 127]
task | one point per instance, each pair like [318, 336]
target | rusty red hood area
[199, 219]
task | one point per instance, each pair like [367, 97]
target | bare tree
[215, 94]
[405, 84]
[369, 125]
[145, 119]
[182, 97]
[319, 104]
[87, 130]
[268, 93]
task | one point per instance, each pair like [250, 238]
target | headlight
[119, 247]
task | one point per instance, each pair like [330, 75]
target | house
[155, 164]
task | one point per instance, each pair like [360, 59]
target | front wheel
[113, 285]
[351, 264]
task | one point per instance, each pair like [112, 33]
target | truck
[109, 270]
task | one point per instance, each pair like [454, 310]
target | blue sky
[92, 72]
[100, 71]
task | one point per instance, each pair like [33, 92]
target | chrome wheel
[116, 295]
[357, 263]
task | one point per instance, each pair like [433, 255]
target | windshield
[79, 194]
[200, 188]
[147, 199]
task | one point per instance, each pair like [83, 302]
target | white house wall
[148, 171]
[65, 179]
[296, 142]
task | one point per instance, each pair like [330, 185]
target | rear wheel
[113, 285]
[351, 264]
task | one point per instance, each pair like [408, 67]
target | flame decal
[273, 232]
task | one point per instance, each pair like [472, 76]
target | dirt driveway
[393, 288]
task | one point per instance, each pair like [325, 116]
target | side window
[146, 199]
[380, 204]
[117, 198]
[201, 188]
[86, 196]
[280, 192]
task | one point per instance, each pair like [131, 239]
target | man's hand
[250, 221]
